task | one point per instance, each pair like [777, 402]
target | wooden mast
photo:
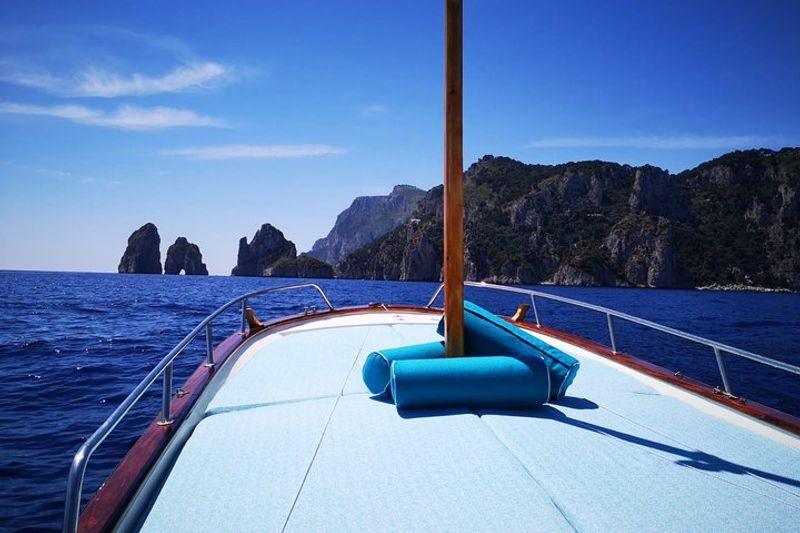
[453, 184]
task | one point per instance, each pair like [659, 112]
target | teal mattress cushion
[487, 334]
[376, 369]
[476, 382]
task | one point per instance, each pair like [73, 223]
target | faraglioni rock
[300, 267]
[186, 256]
[268, 245]
[142, 256]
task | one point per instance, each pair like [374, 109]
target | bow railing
[718, 347]
[164, 367]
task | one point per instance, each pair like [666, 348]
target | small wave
[758, 323]
[89, 310]
[29, 349]
[33, 344]
[169, 307]
[14, 469]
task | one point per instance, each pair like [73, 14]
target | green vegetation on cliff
[747, 230]
[299, 267]
[730, 220]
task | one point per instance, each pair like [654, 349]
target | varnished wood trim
[108, 503]
[106, 506]
[519, 314]
[753, 409]
[253, 323]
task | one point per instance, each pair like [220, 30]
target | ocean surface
[74, 345]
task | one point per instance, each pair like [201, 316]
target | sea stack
[186, 256]
[268, 245]
[142, 256]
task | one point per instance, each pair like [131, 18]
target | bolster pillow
[486, 334]
[476, 382]
[375, 371]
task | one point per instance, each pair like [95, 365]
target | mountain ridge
[366, 219]
[731, 220]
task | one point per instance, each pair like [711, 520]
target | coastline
[739, 287]
[719, 287]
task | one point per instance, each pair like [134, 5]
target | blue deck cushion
[378, 472]
[477, 382]
[376, 368]
[486, 334]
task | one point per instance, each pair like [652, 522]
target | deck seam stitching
[355, 360]
[310, 464]
[558, 508]
[322, 436]
[246, 407]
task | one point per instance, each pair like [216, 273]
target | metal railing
[718, 347]
[165, 366]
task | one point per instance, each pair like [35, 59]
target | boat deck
[293, 441]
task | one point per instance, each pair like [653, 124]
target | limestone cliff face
[569, 274]
[747, 228]
[642, 250]
[186, 256]
[268, 245]
[733, 220]
[656, 192]
[412, 251]
[367, 218]
[422, 257]
[142, 255]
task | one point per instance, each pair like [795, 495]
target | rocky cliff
[748, 220]
[268, 245]
[186, 256]
[142, 255]
[731, 220]
[367, 218]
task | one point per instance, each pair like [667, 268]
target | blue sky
[211, 118]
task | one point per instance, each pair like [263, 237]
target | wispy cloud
[125, 117]
[36, 80]
[62, 176]
[106, 62]
[254, 151]
[157, 42]
[668, 142]
[97, 82]
[374, 110]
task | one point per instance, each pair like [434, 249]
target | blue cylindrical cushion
[375, 371]
[487, 334]
[476, 382]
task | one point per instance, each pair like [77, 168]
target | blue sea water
[74, 345]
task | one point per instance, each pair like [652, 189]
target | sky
[212, 118]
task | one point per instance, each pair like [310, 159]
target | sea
[73, 345]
